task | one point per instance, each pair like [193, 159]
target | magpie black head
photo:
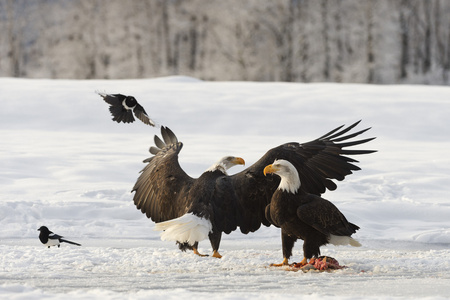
[44, 229]
[130, 102]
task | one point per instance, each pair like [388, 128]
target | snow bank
[66, 165]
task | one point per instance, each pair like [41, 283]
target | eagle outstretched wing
[318, 162]
[160, 189]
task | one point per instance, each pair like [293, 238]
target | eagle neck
[218, 167]
[290, 183]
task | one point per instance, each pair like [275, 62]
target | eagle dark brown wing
[324, 216]
[318, 162]
[161, 189]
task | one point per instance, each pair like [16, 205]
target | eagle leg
[198, 253]
[304, 262]
[216, 254]
[284, 263]
[214, 238]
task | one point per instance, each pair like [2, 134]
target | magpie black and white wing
[122, 108]
[117, 109]
[54, 236]
[142, 115]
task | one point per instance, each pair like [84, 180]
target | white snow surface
[66, 165]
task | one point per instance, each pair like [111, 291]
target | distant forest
[359, 41]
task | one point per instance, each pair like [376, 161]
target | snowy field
[66, 165]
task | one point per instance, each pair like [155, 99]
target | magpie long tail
[66, 241]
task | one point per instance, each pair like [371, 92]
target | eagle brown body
[305, 216]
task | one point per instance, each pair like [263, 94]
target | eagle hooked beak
[270, 169]
[239, 161]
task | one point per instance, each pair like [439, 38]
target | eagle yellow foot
[284, 263]
[216, 254]
[198, 253]
[304, 261]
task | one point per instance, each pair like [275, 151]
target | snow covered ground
[66, 165]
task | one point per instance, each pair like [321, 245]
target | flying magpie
[122, 108]
[49, 238]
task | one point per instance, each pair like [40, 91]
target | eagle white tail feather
[188, 228]
[338, 240]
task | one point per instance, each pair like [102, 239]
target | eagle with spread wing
[188, 210]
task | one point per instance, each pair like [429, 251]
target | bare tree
[370, 43]
[404, 22]
[325, 31]
[12, 31]
[287, 40]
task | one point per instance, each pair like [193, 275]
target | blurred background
[352, 41]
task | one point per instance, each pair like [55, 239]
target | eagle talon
[216, 254]
[284, 263]
[278, 265]
[304, 261]
[198, 253]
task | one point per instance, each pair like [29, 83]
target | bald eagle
[190, 209]
[304, 216]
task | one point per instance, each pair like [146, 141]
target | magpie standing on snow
[122, 108]
[49, 238]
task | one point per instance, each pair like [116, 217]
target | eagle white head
[290, 181]
[225, 163]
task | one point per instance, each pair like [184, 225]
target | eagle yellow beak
[269, 170]
[239, 161]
